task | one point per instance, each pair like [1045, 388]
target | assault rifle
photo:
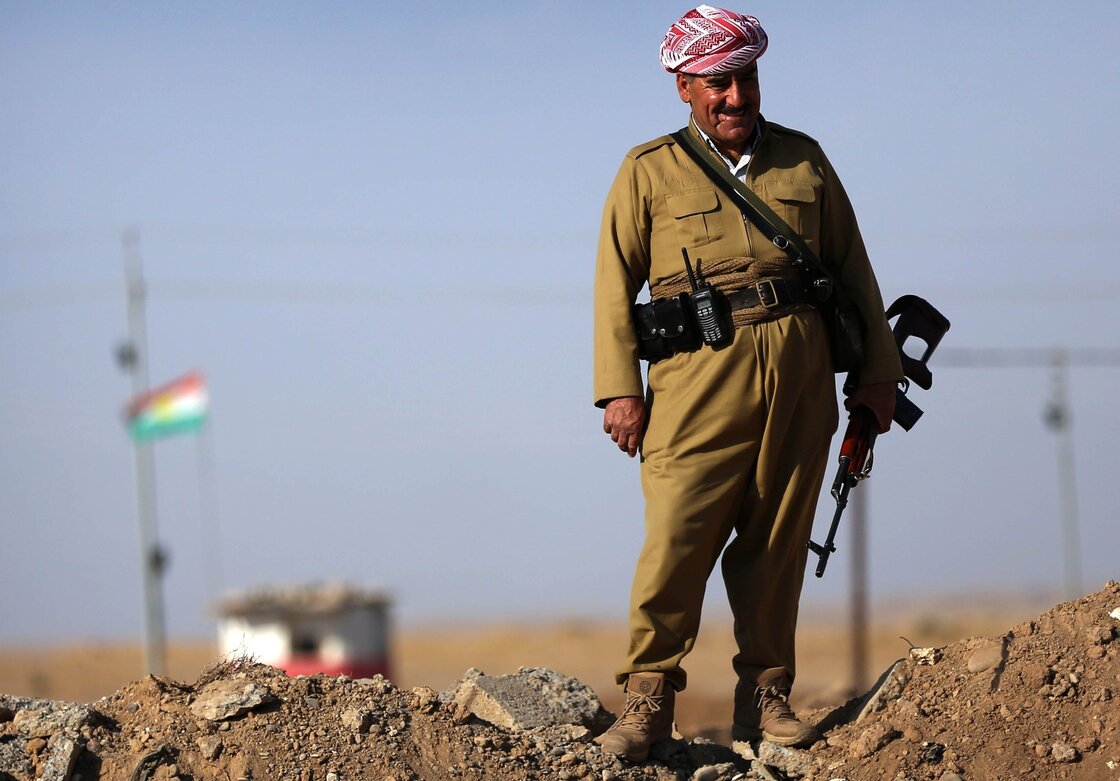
[916, 318]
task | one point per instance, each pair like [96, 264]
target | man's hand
[624, 419]
[878, 397]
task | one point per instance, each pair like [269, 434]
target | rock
[1085, 745]
[1116, 614]
[763, 773]
[43, 719]
[61, 760]
[723, 772]
[889, 687]
[871, 740]
[987, 657]
[531, 698]
[425, 699]
[10, 705]
[378, 684]
[51, 730]
[744, 749]
[228, 698]
[789, 761]
[35, 745]
[562, 733]
[931, 753]
[357, 720]
[926, 656]
[1100, 635]
[13, 759]
[1064, 752]
[210, 747]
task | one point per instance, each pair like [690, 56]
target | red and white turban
[710, 40]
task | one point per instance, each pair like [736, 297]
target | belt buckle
[767, 293]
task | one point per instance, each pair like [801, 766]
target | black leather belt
[769, 293]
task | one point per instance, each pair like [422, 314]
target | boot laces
[638, 707]
[775, 700]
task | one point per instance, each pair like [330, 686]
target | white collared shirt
[739, 169]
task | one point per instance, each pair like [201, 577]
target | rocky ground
[1036, 702]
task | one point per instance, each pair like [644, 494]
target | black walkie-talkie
[705, 307]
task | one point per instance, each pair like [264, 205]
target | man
[734, 441]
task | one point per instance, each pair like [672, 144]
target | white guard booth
[332, 628]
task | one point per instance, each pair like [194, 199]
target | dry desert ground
[437, 656]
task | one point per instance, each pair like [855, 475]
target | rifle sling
[756, 210]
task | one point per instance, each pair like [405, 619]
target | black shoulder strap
[757, 211]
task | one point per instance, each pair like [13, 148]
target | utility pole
[133, 358]
[1056, 415]
[1059, 419]
[857, 606]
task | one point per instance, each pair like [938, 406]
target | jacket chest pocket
[696, 216]
[798, 203]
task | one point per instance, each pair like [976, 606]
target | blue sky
[373, 227]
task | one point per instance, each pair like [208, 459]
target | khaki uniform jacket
[661, 201]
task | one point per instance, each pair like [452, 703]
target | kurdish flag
[174, 408]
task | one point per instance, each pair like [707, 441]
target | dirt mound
[1034, 703]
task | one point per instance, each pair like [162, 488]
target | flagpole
[134, 359]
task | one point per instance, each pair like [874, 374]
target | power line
[297, 292]
[1027, 357]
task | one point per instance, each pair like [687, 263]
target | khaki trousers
[737, 442]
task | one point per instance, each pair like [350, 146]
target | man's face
[725, 105]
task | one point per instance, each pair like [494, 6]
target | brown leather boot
[647, 717]
[777, 722]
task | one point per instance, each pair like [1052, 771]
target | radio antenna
[688, 268]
